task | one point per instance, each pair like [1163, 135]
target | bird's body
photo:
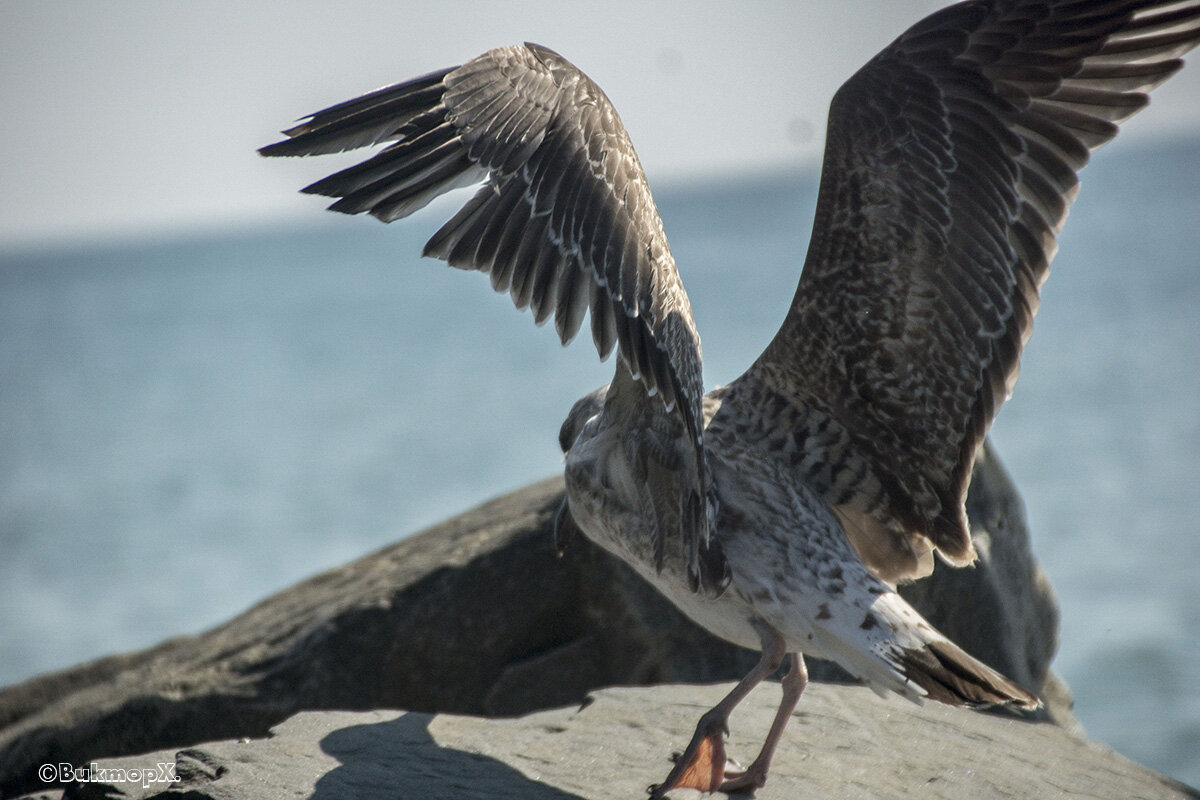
[779, 511]
[813, 590]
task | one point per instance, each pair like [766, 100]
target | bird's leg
[756, 774]
[702, 765]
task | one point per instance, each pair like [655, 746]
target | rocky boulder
[478, 616]
[842, 742]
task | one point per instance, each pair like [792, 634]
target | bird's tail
[947, 674]
[893, 648]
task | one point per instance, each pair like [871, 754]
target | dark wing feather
[564, 221]
[950, 162]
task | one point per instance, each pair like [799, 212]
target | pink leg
[793, 686]
[702, 765]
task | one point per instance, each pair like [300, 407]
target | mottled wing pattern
[950, 162]
[564, 221]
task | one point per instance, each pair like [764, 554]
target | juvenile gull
[780, 511]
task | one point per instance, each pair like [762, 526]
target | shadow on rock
[400, 757]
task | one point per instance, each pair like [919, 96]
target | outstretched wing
[950, 161]
[564, 221]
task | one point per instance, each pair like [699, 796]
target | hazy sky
[127, 117]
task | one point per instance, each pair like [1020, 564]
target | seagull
[780, 511]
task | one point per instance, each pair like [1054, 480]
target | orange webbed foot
[701, 766]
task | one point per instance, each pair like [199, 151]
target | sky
[134, 118]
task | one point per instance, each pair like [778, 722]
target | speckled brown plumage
[950, 161]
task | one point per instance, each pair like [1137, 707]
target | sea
[188, 425]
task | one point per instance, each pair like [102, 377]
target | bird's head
[584, 409]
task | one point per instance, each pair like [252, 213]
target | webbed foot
[702, 765]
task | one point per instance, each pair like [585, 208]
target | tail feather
[949, 675]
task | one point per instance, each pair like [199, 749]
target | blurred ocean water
[189, 426]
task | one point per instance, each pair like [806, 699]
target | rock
[843, 742]
[476, 616]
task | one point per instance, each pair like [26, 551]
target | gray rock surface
[843, 742]
[476, 616]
